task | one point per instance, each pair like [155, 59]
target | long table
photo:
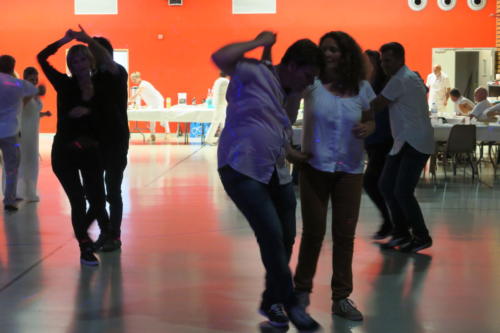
[484, 132]
[176, 113]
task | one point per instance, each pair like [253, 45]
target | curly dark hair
[351, 68]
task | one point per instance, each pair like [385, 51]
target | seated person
[481, 98]
[463, 105]
[150, 96]
[492, 111]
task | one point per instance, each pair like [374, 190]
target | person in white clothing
[337, 118]
[439, 88]
[219, 101]
[481, 98]
[463, 105]
[30, 123]
[151, 97]
[12, 93]
[405, 95]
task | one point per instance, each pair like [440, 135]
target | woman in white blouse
[337, 118]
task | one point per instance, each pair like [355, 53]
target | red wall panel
[181, 61]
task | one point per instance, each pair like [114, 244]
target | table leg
[137, 129]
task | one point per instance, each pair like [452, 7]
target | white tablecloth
[176, 113]
[484, 132]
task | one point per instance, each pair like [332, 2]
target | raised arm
[104, 60]
[50, 72]
[267, 56]
[228, 56]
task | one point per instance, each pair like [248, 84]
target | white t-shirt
[219, 91]
[150, 95]
[437, 89]
[409, 112]
[328, 124]
[479, 109]
[462, 101]
[257, 126]
[12, 92]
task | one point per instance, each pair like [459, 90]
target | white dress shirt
[409, 112]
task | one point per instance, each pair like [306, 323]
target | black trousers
[377, 155]
[398, 182]
[75, 167]
[114, 162]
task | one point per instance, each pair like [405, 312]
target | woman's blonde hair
[80, 49]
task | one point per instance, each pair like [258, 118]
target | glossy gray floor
[190, 262]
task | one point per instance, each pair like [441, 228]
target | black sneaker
[10, 208]
[382, 233]
[111, 245]
[302, 298]
[396, 241]
[276, 315]
[301, 319]
[416, 245]
[346, 308]
[98, 244]
[87, 256]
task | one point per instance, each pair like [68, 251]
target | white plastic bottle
[434, 108]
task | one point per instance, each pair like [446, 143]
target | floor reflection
[396, 293]
[99, 298]
[190, 262]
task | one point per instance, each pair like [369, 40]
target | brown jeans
[316, 188]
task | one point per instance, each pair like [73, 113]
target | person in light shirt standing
[151, 97]
[12, 93]
[439, 88]
[405, 95]
[219, 90]
[30, 123]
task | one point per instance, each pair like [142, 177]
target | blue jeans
[398, 182]
[11, 157]
[270, 211]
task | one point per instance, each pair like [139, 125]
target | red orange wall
[181, 61]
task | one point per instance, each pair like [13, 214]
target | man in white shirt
[481, 98]
[463, 105]
[12, 93]
[439, 88]
[151, 97]
[405, 95]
